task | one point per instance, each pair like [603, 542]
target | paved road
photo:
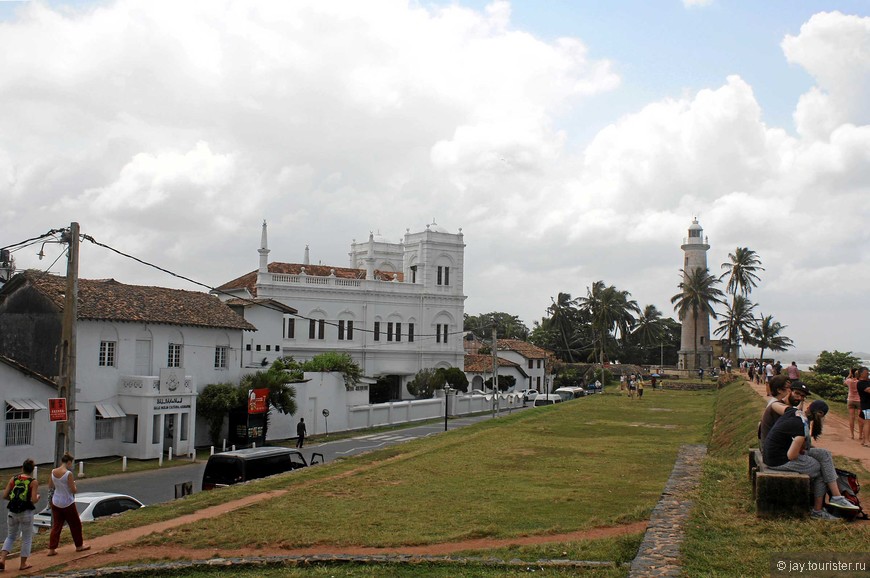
[155, 486]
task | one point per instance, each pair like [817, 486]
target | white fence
[366, 416]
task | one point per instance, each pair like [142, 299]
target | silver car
[92, 505]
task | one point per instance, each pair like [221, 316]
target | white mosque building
[396, 309]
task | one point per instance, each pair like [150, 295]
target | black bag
[849, 487]
[19, 496]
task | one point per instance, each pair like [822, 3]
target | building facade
[143, 353]
[695, 348]
[398, 308]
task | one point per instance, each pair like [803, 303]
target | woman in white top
[63, 506]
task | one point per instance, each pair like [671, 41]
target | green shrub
[338, 362]
[604, 376]
[830, 387]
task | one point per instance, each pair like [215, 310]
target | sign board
[326, 413]
[257, 400]
[57, 409]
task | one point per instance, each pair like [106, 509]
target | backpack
[849, 487]
[19, 496]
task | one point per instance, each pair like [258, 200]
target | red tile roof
[109, 300]
[524, 348]
[483, 363]
[249, 280]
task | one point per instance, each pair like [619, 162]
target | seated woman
[776, 405]
[788, 448]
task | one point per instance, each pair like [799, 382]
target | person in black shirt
[864, 396]
[788, 448]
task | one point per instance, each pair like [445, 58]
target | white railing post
[170, 453]
[225, 445]
[124, 463]
[160, 460]
[211, 450]
[81, 469]
[253, 444]
[234, 447]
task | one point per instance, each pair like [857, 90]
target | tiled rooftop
[249, 280]
[483, 363]
[107, 299]
[524, 348]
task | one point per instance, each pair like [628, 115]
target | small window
[531, 364]
[104, 429]
[259, 347]
[377, 331]
[174, 355]
[221, 355]
[539, 364]
[19, 426]
[268, 347]
[248, 347]
[107, 354]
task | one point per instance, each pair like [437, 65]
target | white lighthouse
[695, 249]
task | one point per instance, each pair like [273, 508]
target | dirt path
[835, 438]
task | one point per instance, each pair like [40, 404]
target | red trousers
[70, 515]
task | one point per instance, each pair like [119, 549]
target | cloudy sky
[571, 141]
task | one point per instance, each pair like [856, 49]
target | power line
[422, 336]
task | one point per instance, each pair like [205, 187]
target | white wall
[16, 385]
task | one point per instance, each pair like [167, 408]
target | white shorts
[865, 413]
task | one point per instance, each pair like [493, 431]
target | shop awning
[26, 404]
[110, 410]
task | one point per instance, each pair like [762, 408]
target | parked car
[530, 394]
[569, 393]
[547, 399]
[235, 467]
[92, 505]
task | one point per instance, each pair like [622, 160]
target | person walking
[863, 387]
[22, 491]
[63, 506]
[853, 403]
[300, 432]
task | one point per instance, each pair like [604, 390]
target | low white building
[396, 310]
[478, 369]
[143, 353]
[27, 431]
[532, 358]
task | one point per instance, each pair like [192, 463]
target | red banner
[57, 409]
[257, 400]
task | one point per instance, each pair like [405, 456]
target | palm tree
[277, 380]
[649, 329]
[563, 316]
[698, 293]
[609, 310]
[739, 321]
[741, 269]
[768, 335]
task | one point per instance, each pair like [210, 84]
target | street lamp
[446, 400]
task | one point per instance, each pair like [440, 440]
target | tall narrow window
[350, 330]
[312, 329]
[389, 331]
[221, 357]
[289, 328]
[413, 274]
[438, 333]
[531, 364]
[340, 330]
[398, 331]
[107, 354]
[444, 326]
[173, 358]
[440, 274]
[321, 329]
[447, 275]
[19, 426]
[377, 336]
[411, 332]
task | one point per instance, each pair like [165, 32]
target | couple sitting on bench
[787, 444]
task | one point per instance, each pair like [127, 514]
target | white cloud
[696, 3]
[170, 130]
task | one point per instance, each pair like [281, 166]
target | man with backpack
[22, 491]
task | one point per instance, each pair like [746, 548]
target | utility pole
[65, 439]
[494, 369]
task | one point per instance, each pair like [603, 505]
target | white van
[569, 393]
[547, 399]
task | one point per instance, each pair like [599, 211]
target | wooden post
[65, 438]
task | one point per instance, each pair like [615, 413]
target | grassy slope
[725, 538]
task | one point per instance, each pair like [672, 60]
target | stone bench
[778, 493]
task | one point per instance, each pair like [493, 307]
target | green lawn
[725, 538]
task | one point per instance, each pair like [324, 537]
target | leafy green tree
[507, 326]
[610, 311]
[425, 383]
[505, 382]
[698, 293]
[767, 334]
[213, 404]
[454, 377]
[835, 363]
[332, 361]
[562, 320]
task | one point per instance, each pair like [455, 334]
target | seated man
[788, 449]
